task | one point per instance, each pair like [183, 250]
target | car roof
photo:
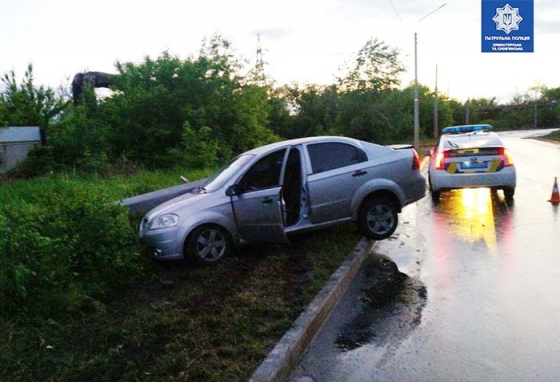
[299, 141]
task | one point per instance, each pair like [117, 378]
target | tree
[457, 112]
[163, 103]
[365, 83]
[361, 116]
[551, 113]
[317, 111]
[551, 95]
[280, 118]
[80, 140]
[28, 105]
[376, 67]
[398, 107]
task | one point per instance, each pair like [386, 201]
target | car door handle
[267, 201]
[359, 173]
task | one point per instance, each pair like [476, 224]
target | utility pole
[416, 95]
[535, 110]
[436, 110]
[416, 106]
[535, 114]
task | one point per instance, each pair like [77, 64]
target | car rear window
[332, 155]
[475, 151]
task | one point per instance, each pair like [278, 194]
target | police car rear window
[475, 151]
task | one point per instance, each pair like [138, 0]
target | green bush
[40, 160]
[63, 249]
[201, 146]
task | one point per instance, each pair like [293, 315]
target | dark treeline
[201, 111]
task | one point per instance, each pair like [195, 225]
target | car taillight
[440, 156]
[508, 159]
[415, 160]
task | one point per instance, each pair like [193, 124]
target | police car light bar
[465, 129]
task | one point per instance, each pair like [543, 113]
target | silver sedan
[274, 191]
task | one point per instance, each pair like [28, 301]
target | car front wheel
[378, 218]
[208, 244]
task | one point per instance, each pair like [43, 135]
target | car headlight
[164, 221]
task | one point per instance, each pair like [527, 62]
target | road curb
[287, 352]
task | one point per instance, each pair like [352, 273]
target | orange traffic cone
[555, 198]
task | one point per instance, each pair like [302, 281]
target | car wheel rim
[211, 245]
[380, 219]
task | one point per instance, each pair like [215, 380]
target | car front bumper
[164, 242]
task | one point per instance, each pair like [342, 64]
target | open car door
[257, 200]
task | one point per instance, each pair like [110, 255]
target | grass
[180, 322]
[554, 136]
[118, 187]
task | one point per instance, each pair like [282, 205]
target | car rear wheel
[208, 244]
[509, 192]
[378, 218]
[434, 194]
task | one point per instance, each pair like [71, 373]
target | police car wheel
[509, 192]
[435, 195]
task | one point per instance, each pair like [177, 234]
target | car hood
[177, 203]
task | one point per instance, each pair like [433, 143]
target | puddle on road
[391, 306]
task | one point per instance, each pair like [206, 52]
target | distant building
[15, 143]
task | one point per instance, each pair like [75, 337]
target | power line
[397, 12]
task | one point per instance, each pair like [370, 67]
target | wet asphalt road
[468, 289]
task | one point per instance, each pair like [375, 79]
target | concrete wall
[11, 153]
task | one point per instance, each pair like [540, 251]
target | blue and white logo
[507, 26]
[507, 19]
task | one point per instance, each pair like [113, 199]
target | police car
[471, 156]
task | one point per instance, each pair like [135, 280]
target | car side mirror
[232, 190]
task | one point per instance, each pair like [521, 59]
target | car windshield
[220, 177]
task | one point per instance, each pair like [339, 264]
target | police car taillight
[440, 156]
[508, 159]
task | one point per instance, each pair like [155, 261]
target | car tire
[378, 218]
[509, 192]
[208, 244]
[435, 195]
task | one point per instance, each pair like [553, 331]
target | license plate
[473, 165]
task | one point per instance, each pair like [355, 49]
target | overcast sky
[303, 41]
